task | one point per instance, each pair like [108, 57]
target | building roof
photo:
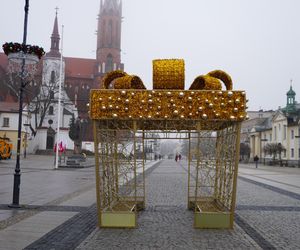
[111, 5]
[291, 92]
[3, 60]
[9, 107]
[79, 67]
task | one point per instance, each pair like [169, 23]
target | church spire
[108, 53]
[55, 38]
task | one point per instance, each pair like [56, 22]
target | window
[292, 153]
[284, 132]
[52, 80]
[284, 153]
[270, 137]
[51, 95]
[275, 133]
[110, 33]
[292, 134]
[103, 67]
[5, 122]
[51, 110]
[109, 63]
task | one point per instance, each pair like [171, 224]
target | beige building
[9, 117]
[280, 129]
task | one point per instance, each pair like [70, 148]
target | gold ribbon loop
[121, 80]
[211, 81]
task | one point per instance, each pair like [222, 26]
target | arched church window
[50, 110]
[103, 34]
[51, 94]
[52, 79]
[117, 35]
[109, 63]
[109, 33]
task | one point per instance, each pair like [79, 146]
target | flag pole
[59, 99]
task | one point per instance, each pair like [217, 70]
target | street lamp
[21, 57]
[279, 152]
[263, 140]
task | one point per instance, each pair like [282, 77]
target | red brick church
[81, 74]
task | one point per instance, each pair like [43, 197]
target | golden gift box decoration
[125, 96]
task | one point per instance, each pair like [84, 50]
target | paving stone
[267, 217]
[166, 223]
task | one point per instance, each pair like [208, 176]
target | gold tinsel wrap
[211, 81]
[137, 83]
[121, 80]
[168, 104]
[129, 82]
[206, 83]
[168, 74]
[109, 77]
[223, 76]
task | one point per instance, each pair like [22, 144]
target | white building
[45, 105]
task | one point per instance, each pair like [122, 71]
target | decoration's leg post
[236, 167]
[97, 172]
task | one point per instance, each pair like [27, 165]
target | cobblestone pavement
[166, 223]
[267, 215]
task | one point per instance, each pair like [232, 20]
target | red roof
[79, 67]
[10, 107]
[75, 67]
[3, 60]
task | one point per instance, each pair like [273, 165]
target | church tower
[108, 56]
[47, 100]
[291, 103]
[55, 38]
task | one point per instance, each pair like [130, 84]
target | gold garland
[121, 80]
[168, 104]
[168, 74]
[109, 77]
[211, 81]
[223, 76]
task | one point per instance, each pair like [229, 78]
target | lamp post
[17, 175]
[22, 59]
[279, 145]
[261, 148]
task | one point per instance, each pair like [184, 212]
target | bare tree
[38, 94]
[273, 149]
[39, 106]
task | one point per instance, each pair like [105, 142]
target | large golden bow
[167, 74]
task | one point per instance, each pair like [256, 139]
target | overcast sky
[256, 41]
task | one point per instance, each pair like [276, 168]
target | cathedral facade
[79, 75]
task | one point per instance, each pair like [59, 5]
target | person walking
[256, 159]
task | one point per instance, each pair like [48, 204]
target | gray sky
[256, 41]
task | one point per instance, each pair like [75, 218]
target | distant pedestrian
[256, 159]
